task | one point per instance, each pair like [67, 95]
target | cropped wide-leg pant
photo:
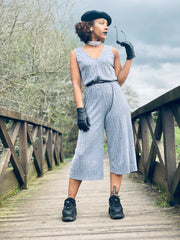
[107, 109]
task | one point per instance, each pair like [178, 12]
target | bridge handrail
[14, 115]
[171, 96]
[30, 145]
[154, 137]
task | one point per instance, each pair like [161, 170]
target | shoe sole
[68, 219]
[118, 216]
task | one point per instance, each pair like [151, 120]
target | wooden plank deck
[36, 213]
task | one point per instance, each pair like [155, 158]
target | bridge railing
[157, 150]
[28, 148]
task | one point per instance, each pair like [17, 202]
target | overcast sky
[153, 27]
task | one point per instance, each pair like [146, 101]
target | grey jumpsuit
[107, 109]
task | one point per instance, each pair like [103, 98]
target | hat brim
[93, 14]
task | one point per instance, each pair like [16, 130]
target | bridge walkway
[35, 213]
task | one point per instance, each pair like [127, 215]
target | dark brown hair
[83, 30]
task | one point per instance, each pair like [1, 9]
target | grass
[105, 147]
[154, 190]
[162, 200]
[177, 141]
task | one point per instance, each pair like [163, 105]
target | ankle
[114, 194]
[114, 191]
[70, 196]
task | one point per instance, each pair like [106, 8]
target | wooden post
[138, 143]
[6, 154]
[40, 148]
[56, 149]
[169, 146]
[61, 153]
[7, 143]
[49, 150]
[23, 151]
[145, 144]
[134, 130]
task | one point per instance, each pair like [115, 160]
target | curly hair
[83, 30]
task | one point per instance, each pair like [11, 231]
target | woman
[98, 67]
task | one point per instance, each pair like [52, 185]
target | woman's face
[100, 30]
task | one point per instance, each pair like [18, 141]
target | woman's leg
[115, 183]
[73, 187]
[115, 207]
[69, 211]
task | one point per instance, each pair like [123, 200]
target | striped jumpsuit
[107, 109]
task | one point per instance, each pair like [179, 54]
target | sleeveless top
[92, 69]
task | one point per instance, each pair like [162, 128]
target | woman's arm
[121, 72]
[76, 80]
[83, 119]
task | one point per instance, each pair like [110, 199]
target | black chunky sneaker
[115, 208]
[69, 211]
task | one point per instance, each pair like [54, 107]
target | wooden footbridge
[29, 148]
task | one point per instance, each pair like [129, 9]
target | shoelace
[67, 204]
[115, 202]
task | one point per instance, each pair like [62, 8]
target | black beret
[93, 14]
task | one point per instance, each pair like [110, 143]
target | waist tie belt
[99, 81]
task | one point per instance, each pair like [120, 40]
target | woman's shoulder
[77, 53]
[112, 49]
[76, 50]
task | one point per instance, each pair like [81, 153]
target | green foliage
[153, 189]
[177, 138]
[14, 193]
[34, 64]
[163, 201]
[162, 198]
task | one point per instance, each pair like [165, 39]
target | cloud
[153, 28]
[155, 55]
[149, 83]
[154, 22]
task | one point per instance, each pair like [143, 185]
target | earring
[91, 29]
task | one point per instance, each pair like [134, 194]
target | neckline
[94, 43]
[92, 57]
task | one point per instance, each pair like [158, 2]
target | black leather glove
[83, 119]
[129, 49]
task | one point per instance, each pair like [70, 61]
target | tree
[131, 96]
[34, 62]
